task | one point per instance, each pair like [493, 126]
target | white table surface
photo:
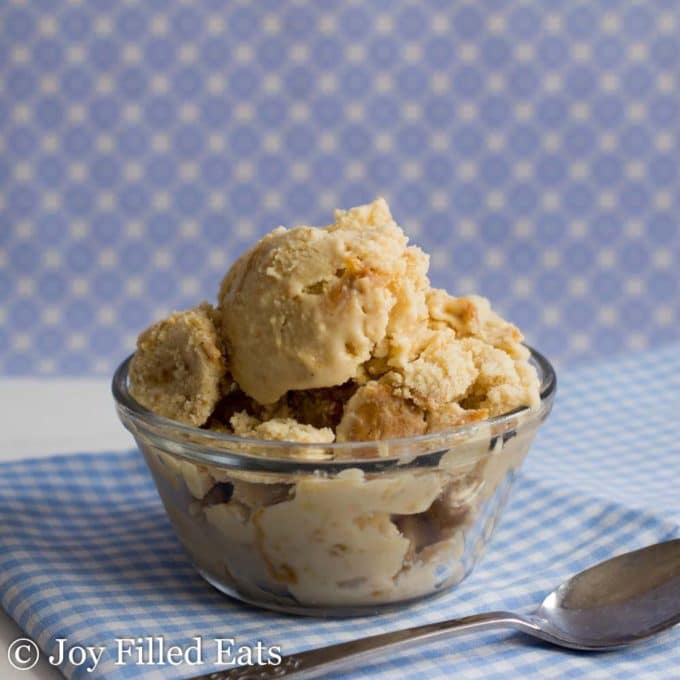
[47, 417]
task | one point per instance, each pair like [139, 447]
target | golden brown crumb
[472, 316]
[506, 380]
[279, 429]
[178, 368]
[369, 216]
[407, 328]
[442, 373]
[503, 383]
[375, 412]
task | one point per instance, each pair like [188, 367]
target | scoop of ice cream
[306, 307]
[178, 368]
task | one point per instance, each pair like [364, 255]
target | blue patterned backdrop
[532, 147]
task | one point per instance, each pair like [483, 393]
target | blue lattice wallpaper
[532, 147]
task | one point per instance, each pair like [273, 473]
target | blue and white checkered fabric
[87, 553]
[531, 146]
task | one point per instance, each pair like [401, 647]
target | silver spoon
[611, 605]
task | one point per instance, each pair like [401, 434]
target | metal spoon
[611, 605]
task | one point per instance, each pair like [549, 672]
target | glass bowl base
[324, 612]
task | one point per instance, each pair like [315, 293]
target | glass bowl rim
[129, 407]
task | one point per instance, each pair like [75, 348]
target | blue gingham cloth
[87, 554]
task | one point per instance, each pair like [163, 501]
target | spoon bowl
[617, 602]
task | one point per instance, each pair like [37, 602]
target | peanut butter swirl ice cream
[321, 337]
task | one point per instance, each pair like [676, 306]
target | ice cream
[324, 336]
[333, 332]
[306, 307]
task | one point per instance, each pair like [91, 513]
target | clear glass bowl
[334, 529]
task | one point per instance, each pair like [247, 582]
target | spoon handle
[326, 659]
